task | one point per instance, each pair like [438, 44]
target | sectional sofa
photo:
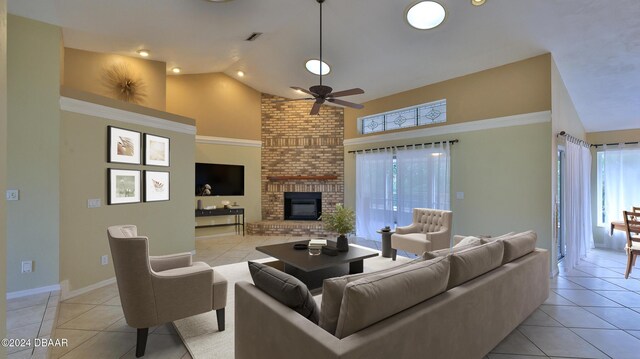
[453, 303]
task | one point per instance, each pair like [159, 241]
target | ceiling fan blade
[355, 91]
[345, 103]
[303, 90]
[295, 99]
[315, 109]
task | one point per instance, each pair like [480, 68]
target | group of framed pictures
[126, 186]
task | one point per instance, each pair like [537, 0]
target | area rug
[200, 333]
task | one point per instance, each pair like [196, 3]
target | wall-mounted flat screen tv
[222, 180]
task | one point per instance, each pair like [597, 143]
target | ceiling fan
[322, 93]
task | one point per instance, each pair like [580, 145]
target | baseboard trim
[66, 293]
[27, 292]
[216, 235]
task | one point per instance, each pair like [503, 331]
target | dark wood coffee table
[312, 270]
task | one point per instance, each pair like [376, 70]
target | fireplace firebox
[302, 206]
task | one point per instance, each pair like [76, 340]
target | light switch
[459, 195]
[94, 203]
[13, 195]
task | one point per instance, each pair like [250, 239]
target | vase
[342, 244]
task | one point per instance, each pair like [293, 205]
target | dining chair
[632, 224]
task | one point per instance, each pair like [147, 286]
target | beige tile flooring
[592, 312]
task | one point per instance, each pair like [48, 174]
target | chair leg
[635, 255]
[220, 315]
[394, 253]
[629, 263]
[141, 344]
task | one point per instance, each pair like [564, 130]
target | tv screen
[223, 180]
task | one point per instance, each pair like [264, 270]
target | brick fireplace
[300, 153]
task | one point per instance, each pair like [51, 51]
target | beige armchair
[430, 230]
[157, 290]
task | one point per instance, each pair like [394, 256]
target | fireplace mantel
[298, 178]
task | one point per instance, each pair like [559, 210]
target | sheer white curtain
[374, 192]
[423, 179]
[577, 201]
[619, 188]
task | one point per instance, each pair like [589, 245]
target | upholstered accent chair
[430, 230]
[156, 290]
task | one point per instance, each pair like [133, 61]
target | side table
[386, 242]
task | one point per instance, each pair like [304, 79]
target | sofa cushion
[375, 297]
[447, 251]
[285, 288]
[519, 245]
[333, 291]
[486, 240]
[474, 262]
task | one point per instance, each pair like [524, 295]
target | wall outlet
[13, 195]
[459, 195]
[27, 267]
[94, 203]
[104, 260]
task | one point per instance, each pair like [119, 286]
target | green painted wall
[3, 163]
[503, 172]
[33, 80]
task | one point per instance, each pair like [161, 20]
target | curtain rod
[573, 139]
[614, 144]
[405, 146]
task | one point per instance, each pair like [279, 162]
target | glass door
[559, 215]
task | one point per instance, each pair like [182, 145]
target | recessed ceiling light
[313, 66]
[425, 15]
[143, 52]
[477, 2]
[240, 73]
[176, 70]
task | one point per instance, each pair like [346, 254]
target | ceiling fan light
[313, 66]
[425, 15]
[477, 2]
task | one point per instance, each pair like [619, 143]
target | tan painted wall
[84, 70]
[83, 168]
[563, 118]
[3, 164]
[632, 135]
[221, 105]
[33, 229]
[249, 157]
[520, 87]
[504, 174]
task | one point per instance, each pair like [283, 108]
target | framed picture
[156, 150]
[156, 186]
[124, 186]
[124, 145]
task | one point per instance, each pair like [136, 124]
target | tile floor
[592, 312]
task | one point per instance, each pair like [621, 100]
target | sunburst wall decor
[123, 84]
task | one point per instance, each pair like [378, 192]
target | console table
[237, 213]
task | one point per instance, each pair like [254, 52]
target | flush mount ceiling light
[425, 15]
[477, 2]
[313, 66]
[143, 52]
[176, 70]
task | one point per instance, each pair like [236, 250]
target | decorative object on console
[124, 145]
[124, 186]
[156, 186]
[205, 190]
[156, 150]
[342, 221]
[225, 204]
[123, 85]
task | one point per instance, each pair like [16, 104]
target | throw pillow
[286, 289]
[468, 240]
[333, 291]
[374, 298]
[447, 251]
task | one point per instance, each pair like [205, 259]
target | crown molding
[507, 121]
[228, 141]
[92, 109]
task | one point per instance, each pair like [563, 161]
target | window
[425, 114]
[618, 170]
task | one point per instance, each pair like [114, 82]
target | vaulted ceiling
[368, 44]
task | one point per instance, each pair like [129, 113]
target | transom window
[420, 115]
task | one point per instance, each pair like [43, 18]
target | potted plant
[342, 221]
